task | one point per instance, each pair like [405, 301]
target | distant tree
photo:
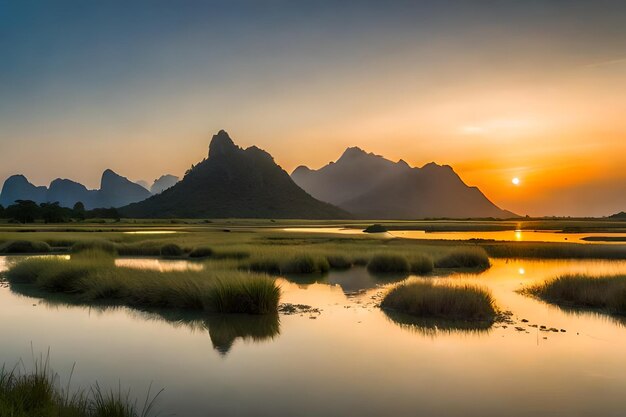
[53, 213]
[24, 211]
[104, 213]
[2, 212]
[78, 212]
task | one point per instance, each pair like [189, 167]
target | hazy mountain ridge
[115, 191]
[234, 182]
[163, 183]
[372, 186]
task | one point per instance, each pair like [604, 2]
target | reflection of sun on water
[521, 271]
[518, 235]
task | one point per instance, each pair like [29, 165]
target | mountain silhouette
[163, 183]
[371, 186]
[67, 193]
[115, 191]
[118, 191]
[234, 182]
[620, 215]
[17, 187]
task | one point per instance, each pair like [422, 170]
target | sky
[498, 89]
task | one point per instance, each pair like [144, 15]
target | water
[500, 235]
[351, 359]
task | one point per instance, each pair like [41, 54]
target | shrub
[25, 246]
[465, 258]
[388, 263]
[201, 252]
[171, 250]
[375, 228]
[450, 302]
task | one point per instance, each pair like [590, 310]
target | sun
[515, 181]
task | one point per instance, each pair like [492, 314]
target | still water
[500, 235]
[348, 359]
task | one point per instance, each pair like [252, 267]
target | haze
[497, 89]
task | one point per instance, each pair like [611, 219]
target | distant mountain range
[247, 183]
[620, 215]
[371, 186]
[234, 182]
[115, 191]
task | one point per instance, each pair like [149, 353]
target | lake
[350, 358]
[499, 235]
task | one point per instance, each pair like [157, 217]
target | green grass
[201, 252]
[606, 293]
[24, 246]
[425, 299]
[37, 394]
[172, 250]
[421, 264]
[474, 258]
[298, 263]
[93, 277]
[541, 250]
[388, 263]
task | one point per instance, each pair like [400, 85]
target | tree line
[27, 211]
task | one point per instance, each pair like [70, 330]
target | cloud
[618, 61]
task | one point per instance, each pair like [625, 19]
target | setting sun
[515, 181]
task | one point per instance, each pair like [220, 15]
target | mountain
[118, 191]
[17, 187]
[115, 191]
[163, 183]
[354, 173]
[621, 215]
[371, 186]
[234, 182]
[144, 184]
[68, 193]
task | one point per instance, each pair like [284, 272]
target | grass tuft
[201, 252]
[172, 250]
[28, 394]
[421, 264]
[441, 301]
[100, 245]
[475, 258]
[92, 276]
[388, 263]
[338, 261]
[24, 246]
[584, 291]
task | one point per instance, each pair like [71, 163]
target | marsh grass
[427, 300]
[421, 264]
[37, 394]
[606, 293]
[100, 245]
[93, 277]
[172, 250]
[540, 250]
[201, 252]
[388, 263]
[24, 246]
[471, 258]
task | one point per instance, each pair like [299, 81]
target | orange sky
[513, 89]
